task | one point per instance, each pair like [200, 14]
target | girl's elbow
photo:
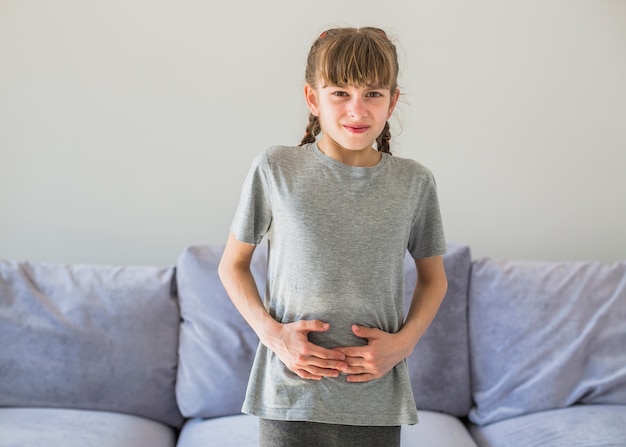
[221, 270]
[444, 286]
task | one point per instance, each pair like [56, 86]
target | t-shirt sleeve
[254, 213]
[427, 236]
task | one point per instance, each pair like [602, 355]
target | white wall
[126, 127]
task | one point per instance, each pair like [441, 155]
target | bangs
[359, 59]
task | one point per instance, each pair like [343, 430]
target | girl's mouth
[356, 128]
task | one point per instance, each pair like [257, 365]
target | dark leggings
[311, 434]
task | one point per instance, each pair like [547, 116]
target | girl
[339, 216]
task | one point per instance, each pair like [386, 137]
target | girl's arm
[288, 341]
[385, 350]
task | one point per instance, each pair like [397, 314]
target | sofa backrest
[440, 364]
[217, 346]
[546, 335]
[89, 337]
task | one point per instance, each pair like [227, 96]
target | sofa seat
[579, 426]
[434, 430]
[227, 431]
[40, 427]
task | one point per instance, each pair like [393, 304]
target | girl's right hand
[290, 342]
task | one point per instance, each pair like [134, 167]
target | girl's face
[351, 117]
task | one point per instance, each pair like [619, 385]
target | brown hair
[352, 56]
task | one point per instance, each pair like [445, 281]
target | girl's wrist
[408, 338]
[268, 331]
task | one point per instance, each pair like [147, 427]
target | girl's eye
[340, 93]
[374, 94]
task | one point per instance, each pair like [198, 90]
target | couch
[521, 353]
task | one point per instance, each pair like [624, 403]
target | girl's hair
[352, 56]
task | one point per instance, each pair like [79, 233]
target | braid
[312, 130]
[382, 142]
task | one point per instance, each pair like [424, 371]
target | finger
[356, 362]
[323, 372]
[324, 364]
[315, 373]
[317, 356]
[304, 374]
[364, 332]
[350, 351]
[352, 370]
[314, 325]
[360, 378]
[324, 353]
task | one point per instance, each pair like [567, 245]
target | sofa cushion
[230, 431]
[90, 337]
[580, 426]
[434, 429]
[546, 335]
[216, 344]
[439, 366]
[36, 427]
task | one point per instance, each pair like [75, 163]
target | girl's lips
[356, 128]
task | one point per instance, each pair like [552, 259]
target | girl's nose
[357, 108]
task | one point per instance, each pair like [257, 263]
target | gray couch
[521, 353]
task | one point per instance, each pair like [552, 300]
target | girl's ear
[394, 100]
[310, 94]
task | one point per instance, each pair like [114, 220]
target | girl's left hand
[372, 361]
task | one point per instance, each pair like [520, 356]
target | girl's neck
[362, 158]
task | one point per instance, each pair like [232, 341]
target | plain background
[127, 126]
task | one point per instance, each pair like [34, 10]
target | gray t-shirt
[338, 236]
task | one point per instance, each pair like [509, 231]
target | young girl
[339, 216]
